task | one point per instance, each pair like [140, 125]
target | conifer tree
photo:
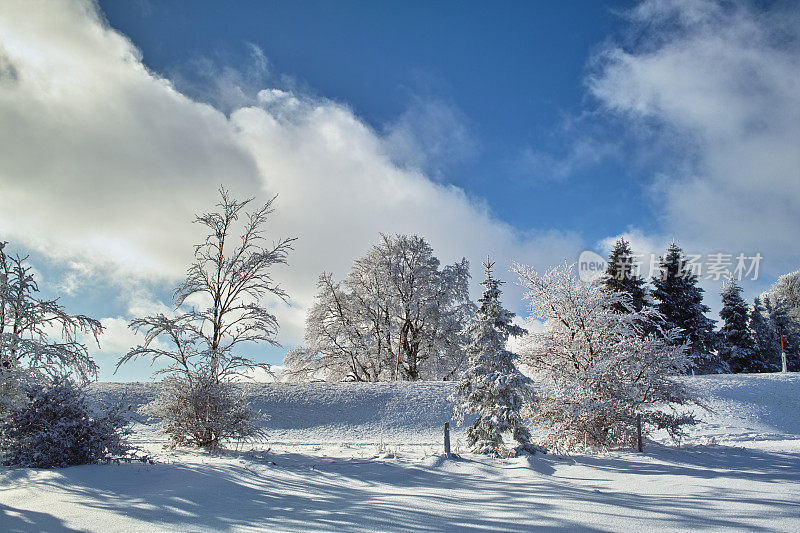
[492, 386]
[620, 276]
[680, 302]
[766, 345]
[736, 343]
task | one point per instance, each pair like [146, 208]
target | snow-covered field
[366, 457]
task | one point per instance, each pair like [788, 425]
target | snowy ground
[355, 457]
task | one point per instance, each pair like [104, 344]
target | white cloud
[104, 163]
[723, 81]
[430, 136]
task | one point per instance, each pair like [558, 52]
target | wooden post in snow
[447, 439]
[639, 432]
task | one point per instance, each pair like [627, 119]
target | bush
[53, 426]
[203, 413]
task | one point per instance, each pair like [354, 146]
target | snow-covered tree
[598, 370]
[39, 340]
[679, 301]
[736, 347]
[787, 291]
[492, 386]
[786, 331]
[782, 307]
[766, 344]
[203, 346]
[621, 275]
[396, 315]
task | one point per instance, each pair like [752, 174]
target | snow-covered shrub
[598, 369]
[492, 386]
[203, 412]
[54, 426]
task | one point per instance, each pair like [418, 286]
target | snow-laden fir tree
[621, 276]
[766, 344]
[492, 386]
[598, 370]
[679, 301]
[735, 341]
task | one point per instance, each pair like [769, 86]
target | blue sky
[530, 131]
[512, 74]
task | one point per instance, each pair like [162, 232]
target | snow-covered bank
[323, 469]
[315, 413]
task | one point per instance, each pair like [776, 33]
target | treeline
[750, 338]
[398, 315]
[605, 355]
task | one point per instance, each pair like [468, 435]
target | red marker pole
[783, 357]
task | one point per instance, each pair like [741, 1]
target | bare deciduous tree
[218, 309]
[230, 279]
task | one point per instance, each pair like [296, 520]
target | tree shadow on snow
[14, 520]
[701, 462]
[296, 491]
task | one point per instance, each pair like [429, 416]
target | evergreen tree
[492, 386]
[766, 345]
[620, 276]
[680, 302]
[736, 343]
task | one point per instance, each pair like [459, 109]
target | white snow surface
[355, 457]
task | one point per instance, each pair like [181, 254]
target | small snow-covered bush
[202, 412]
[53, 425]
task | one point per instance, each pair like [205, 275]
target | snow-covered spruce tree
[202, 346]
[397, 315]
[621, 276]
[598, 370]
[492, 386]
[679, 301]
[735, 341]
[54, 426]
[27, 325]
[766, 344]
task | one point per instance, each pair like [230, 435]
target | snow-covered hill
[365, 456]
[736, 409]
